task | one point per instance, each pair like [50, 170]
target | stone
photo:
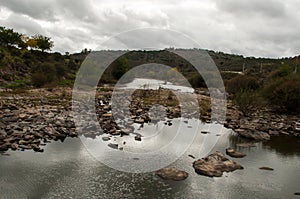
[3, 147]
[235, 154]
[126, 131]
[25, 147]
[214, 165]
[14, 146]
[254, 135]
[204, 132]
[138, 137]
[266, 168]
[107, 115]
[139, 121]
[105, 138]
[191, 156]
[172, 174]
[113, 146]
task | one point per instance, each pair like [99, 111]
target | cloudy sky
[269, 28]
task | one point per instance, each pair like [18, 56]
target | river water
[67, 170]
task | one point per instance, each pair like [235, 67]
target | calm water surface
[67, 170]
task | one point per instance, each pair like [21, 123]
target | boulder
[235, 154]
[214, 165]
[172, 174]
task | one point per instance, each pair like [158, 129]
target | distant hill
[25, 68]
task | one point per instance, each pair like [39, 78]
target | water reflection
[284, 145]
[67, 170]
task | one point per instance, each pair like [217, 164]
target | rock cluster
[262, 124]
[29, 122]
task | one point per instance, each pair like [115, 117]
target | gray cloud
[23, 24]
[253, 28]
[270, 8]
[32, 8]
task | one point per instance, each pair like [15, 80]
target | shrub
[247, 100]
[39, 79]
[197, 81]
[241, 83]
[43, 74]
[284, 92]
[121, 68]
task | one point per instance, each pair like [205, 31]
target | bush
[197, 81]
[43, 74]
[39, 79]
[121, 68]
[284, 92]
[247, 100]
[282, 71]
[241, 83]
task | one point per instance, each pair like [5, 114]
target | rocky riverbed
[32, 118]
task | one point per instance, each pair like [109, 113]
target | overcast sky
[269, 28]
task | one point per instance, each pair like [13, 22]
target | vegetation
[242, 83]
[25, 61]
[283, 90]
[280, 90]
[8, 37]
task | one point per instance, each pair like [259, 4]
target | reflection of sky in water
[140, 83]
[68, 170]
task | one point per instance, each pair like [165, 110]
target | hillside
[24, 68]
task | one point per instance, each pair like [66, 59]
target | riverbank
[32, 118]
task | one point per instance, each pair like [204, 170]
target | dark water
[67, 170]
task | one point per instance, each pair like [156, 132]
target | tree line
[9, 37]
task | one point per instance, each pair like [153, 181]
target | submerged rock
[246, 145]
[214, 165]
[172, 174]
[235, 154]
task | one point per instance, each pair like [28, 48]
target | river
[67, 170]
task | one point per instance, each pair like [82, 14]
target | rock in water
[254, 135]
[192, 156]
[235, 154]
[138, 137]
[172, 174]
[266, 168]
[246, 145]
[214, 165]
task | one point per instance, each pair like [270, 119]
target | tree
[43, 43]
[121, 68]
[32, 43]
[8, 37]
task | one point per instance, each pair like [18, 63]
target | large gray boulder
[214, 165]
